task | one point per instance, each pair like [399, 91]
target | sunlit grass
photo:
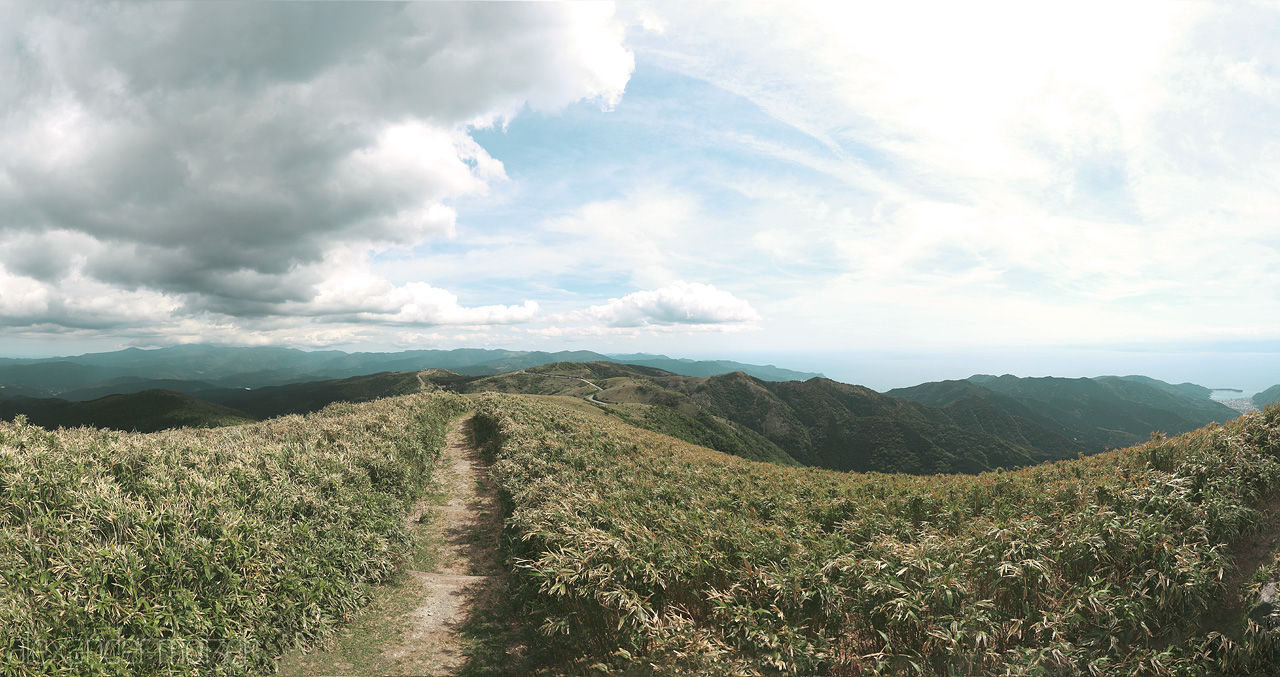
[637, 553]
[204, 552]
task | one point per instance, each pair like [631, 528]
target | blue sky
[888, 194]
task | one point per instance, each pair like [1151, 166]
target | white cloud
[240, 161]
[680, 304]
[419, 303]
[1019, 172]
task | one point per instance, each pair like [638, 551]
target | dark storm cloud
[229, 153]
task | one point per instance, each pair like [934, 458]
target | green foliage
[1269, 396]
[1064, 416]
[304, 398]
[203, 552]
[712, 432]
[818, 422]
[833, 425]
[638, 554]
[147, 411]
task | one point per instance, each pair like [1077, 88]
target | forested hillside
[1083, 414]
[144, 412]
[1269, 396]
[949, 426]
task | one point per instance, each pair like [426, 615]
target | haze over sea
[1250, 371]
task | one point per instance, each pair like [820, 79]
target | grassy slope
[147, 411]
[203, 551]
[638, 554]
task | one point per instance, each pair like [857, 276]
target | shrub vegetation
[203, 552]
[634, 553]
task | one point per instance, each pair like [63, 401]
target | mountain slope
[126, 385]
[819, 422]
[1188, 401]
[827, 424]
[1067, 416]
[304, 398]
[1269, 396]
[147, 411]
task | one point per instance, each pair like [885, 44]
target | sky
[883, 192]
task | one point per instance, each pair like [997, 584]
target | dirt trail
[417, 630]
[467, 572]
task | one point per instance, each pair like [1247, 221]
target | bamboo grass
[203, 552]
[634, 553]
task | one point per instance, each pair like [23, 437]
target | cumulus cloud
[361, 297]
[223, 156]
[682, 304]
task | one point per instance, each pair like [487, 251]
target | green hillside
[818, 422]
[826, 424]
[710, 431]
[147, 411]
[127, 385]
[1067, 416]
[633, 553]
[304, 398]
[1189, 401]
[1186, 390]
[1269, 396]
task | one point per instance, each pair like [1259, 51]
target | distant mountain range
[969, 425]
[190, 368]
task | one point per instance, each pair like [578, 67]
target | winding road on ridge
[589, 398]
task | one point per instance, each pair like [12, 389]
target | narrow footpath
[467, 527]
[413, 626]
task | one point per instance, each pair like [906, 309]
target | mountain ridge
[263, 366]
[1095, 414]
